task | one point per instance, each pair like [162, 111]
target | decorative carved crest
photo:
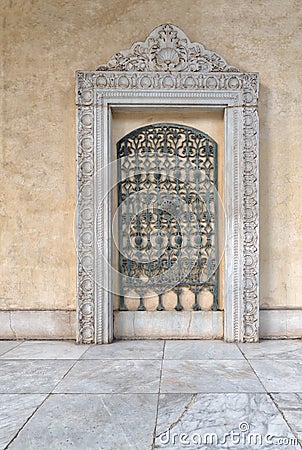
[167, 49]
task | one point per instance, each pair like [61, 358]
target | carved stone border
[142, 77]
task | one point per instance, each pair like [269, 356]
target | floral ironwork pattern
[168, 209]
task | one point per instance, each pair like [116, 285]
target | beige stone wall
[43, 42]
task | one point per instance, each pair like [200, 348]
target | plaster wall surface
[43, 43]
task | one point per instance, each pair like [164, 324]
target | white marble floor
[143, 395]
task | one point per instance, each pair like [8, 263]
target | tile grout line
[158, 397]
[253, 370]
[26, 421]
[184, 412]
[137, 393]
[89, 347]
[65, 374]
[80, 359]
[39, 359]
[7, 351]
[269, 394]
[38, 407]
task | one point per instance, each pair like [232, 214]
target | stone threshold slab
[168, 325]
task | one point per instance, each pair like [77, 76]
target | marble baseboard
[280, 323]
[61, 324]
[38, 324]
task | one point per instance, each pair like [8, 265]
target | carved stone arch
[163, 71]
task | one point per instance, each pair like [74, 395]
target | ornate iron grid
[167, 197]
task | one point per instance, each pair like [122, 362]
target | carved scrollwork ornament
[167, 49]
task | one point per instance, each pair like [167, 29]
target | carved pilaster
[250, 225]
[85, 215]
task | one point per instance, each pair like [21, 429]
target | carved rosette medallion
[250, 225]
[85, 217]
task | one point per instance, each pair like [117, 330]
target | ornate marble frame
[165, 71]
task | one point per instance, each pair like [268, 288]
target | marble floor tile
[105, 397]
[291, 407]
[221, 421]
[31, 376]
[5, 346]
[126, 350]
[46, 350]
[91, 422]
[279, 376]
[195, 349]
[15, 409]
[116, 376]
[280, 349]
[208, 376]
